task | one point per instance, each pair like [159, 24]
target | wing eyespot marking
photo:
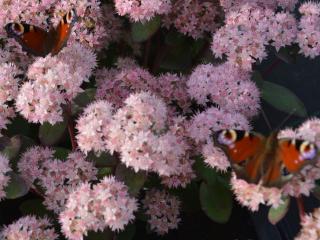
[227, 137]
[307, 150]
[17, 28]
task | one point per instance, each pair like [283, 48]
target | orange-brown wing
[295, 153]
[243, 149]
[32, 39]
[63, 30]
[291, 156]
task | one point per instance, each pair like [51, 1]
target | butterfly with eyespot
[256, 158]
[40, 42]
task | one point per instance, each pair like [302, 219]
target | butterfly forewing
[296, 153]
[63, 31]
[32, 39]
[242, 149]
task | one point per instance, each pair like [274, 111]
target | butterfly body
[40, 42]
[270, 160]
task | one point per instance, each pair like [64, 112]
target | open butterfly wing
[32, 39]
[242, 149]
[292, 155]
[63, 31]
[296, 153]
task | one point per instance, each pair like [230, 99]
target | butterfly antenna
[266, 119]
[286, 119]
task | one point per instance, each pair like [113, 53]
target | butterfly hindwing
[32, 39]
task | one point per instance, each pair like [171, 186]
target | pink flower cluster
[225, 85]
[9, 82]
[214, 156]
[57, 178]
[4, 178]
[93, 126]
[106, 204]
[142, 10]
[194, 17]
[162, 210]
[310, 226]
[272, 4]
[54, 80]
[115, 85]
[29, 228]
[140, 133]
[252, 195]
[309, 29]
[214, 119]
[184, 176]
[248, 30]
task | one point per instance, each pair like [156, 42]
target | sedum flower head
[106, 204]
[29, 228]
[162, 210]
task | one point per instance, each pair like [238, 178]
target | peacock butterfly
[40, 42]
[256, 158]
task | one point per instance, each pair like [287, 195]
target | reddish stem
[301, 207]
[71, 128]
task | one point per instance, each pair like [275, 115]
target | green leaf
[141, 32]
[216, 201]
[103, 160]
[128, 233]
[133, 180]
[26, 143]
[102, 172]
[276, 214]
[13, 147]
[257, 78]
[83, 99]
[51, 134]
[35, 207]
[189, 197]
[61, 153]
[283, 99]
[17, 187]
[204, 171]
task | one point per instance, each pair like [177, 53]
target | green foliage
[279, 96]
[141, 32]
[133, 180]
[17, 187]
[276, 214]
[35, 207]
[283, 99]
[51, 134]
[216, 201]
[82, 100]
